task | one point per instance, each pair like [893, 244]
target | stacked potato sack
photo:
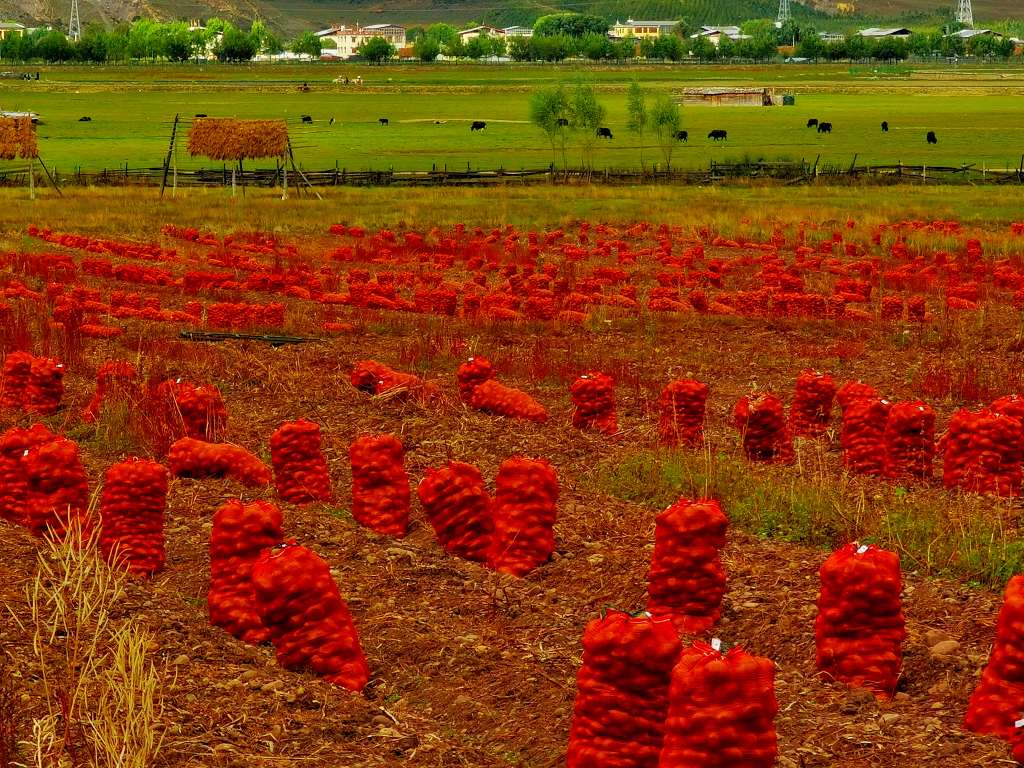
[811, 411]
[854, 390]
[721, 710]
[995, 705]
[523, 514]
[996, 454]
[240, 533]
[306, 617]
[959, 462]
[17, 369]
[472, 373]
[681, 407]
[863, 435]
[115, 379]
[202, 410]
[376, 378]
[892, 308]
[761, 420]
[686, 580]
[917, 309]
[1010, 405]
[15, 445]
[494, 397]
[860, 630]
[45, 386]
[593, 399]
[910, 440]
[132, 508]
[198, 459]
[380, 485]
[622, 692]
[455, 500]
[57, 491]
[300, 469]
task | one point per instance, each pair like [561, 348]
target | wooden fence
[782, 173]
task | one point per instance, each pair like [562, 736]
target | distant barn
[729, 97]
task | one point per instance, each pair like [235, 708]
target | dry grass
[227, 139]
[17, 138]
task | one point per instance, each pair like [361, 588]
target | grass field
[976, 112]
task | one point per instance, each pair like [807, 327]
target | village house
[874, 33]
[11, 28]
[715, 34]
[342, 42]
[642, 29]
[481, 31]
[518, 31]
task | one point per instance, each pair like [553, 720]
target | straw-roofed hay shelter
[229, 139]
[17, 138]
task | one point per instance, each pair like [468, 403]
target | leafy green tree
[454, 49]
[236, 46]
[636, 109]
[477, 48]
[856, 48]
[569, 24]
[1005, 47]
[726, 47]
[178, 42]
[811, 48]
[92, 46]
[597, 47]
[309, 44]
[443, 33]
[414, 34]
[553, 48]
[666, 120]
[54, 47]
[520, 49]
[499, 46]
[426, 48]
[377, 50]
[702, 49]
[549, 109]
[585, 116]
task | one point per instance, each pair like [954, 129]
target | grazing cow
[931, 138]
[885, 126]
[812, 123]
[719, 134]
[562, 122]
[201, 114]
[681, 136]
[824, 127]
[604, 133]
[440, 122]
[307, 119]
[85, 119]
[382, 120]
[478, 125]
[331, 121]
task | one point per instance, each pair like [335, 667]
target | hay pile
[17, 138]
[228, 139]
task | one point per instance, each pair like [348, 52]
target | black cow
[719, 134]
[201, 114]
[812, 123]
[885, 126]
[478, 125]
[307, 119]
[331, 121]
[382, 120]
[562, 122]
[931, 138]
[824, 127]
[604, 133]
[85, 119]
[681, 136]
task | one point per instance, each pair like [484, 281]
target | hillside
[291, 16]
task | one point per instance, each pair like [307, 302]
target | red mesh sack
[593, 399]
[681, 408]
[300, 469]
[523, 514]
[854, 390]
[376, 379]
[17, 369]
[997, 445]
[45, 386]
[721, 710]
[306, 617]
[473, 372]
[458, 506]
[132, 508]
[863, 435]
[491, 396]
[197, 411]
[859, 630]
[199, 460]
[240, 533]
[959, 461]
[115, 380]
[57, 490]
[811, 412]
[998, 700]
[622, 692]
[380, 485]
[1010, 405]
[686, 580]
[910, 440]
[15, 445]
[761, 420]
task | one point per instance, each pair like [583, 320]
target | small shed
[729, 97]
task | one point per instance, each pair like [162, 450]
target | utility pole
[784, 13]
[965, 14]
[75, 25]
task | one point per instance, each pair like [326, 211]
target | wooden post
[234, 182]
[284, 175]
[32, 178]
[174, 188]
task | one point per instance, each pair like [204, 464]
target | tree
[585, 116]
[376, 50]
[726, 47]
[309, 44]
[499, 46]
[636, 108]
[666, 120]
[443, 33]
[477, 48]
[811, 48]
[702, 49]
[176, 44]
[53, 47]
[570, 24]
[92, 46]
[549, 108]
[520, 49]
[235, 46]
[597, 47]
[426, 48]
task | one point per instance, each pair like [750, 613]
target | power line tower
[75, 25]
[964, 13]
[785, 15]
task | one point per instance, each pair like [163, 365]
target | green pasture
[978, 114]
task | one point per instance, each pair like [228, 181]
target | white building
[832, 37]
[900, 33]
[518, 31]
[11, 28]
[342, 42]
[715, 34]
[482, 31]
[642, 29]
[967, 34]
